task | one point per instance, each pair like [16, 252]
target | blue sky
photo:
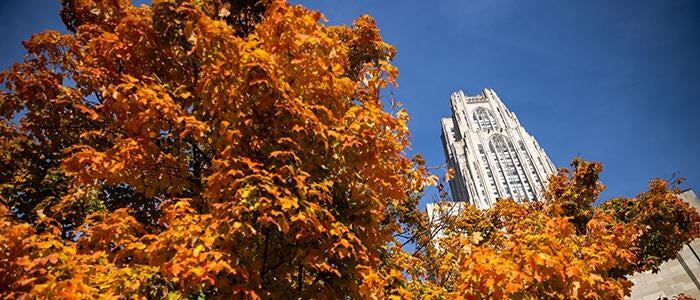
[612, 81]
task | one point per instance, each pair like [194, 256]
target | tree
[202, 148]
[562, 248]
[239, 149]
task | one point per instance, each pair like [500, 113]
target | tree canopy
[211, 148]
[219, 149]
[561, 248]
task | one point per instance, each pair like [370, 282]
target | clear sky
[612, 81]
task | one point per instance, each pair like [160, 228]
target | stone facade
[678, 276]
[492, 154]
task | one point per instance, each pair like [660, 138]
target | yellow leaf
[197, 249]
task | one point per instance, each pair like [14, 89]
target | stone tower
[492, 154]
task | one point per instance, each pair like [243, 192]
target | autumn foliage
[562, 248]
[240, 149]
[201, 148]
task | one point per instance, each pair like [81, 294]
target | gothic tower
[492, 154]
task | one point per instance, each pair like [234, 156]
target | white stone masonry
[492, 154]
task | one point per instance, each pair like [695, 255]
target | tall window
[489, 174]
[509, 168]
[530, 165]
[483, 119]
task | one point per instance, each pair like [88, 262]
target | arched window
[484, 119]
[509, 169]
